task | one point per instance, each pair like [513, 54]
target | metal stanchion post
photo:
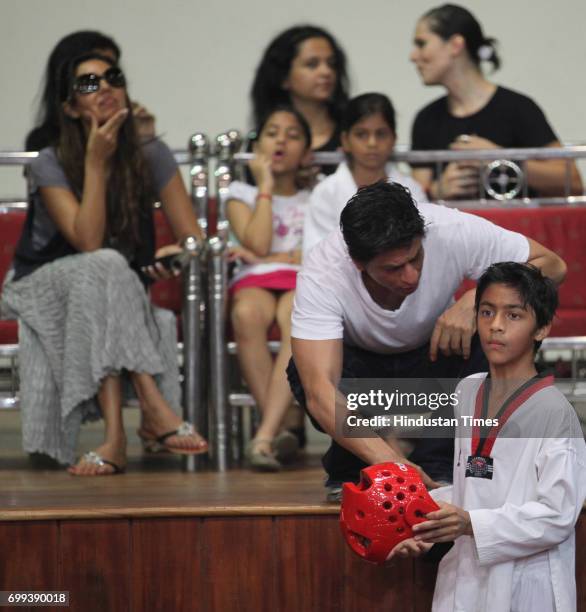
[218, 354]
[194, 409]
[194, 288]
[199, 150]
[217, 304]
[235, 415]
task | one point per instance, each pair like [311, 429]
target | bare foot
[88, 465]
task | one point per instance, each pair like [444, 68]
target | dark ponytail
[450, 19]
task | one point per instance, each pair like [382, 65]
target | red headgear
[378, 513]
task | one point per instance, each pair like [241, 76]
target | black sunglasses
[86, 84]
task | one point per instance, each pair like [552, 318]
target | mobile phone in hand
[171, 263]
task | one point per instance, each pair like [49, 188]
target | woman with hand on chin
[79, 277]
[448, 49]
[46, 131]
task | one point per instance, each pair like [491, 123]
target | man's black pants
[433, 455]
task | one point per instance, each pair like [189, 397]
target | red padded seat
[166, 294]
[562, 230]
[8, 332]
[11, 222]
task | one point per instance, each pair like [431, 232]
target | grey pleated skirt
[82, 318]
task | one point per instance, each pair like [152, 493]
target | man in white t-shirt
[375, 300]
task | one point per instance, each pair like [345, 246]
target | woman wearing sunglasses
[76, 287]
[46, 131]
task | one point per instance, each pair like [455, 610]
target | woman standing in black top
[305, 67]
[448, 49]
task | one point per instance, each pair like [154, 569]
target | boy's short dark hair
[379, 218]
[535, 290]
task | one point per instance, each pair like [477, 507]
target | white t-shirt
[331, 195]
[288, 217]
[331, 301]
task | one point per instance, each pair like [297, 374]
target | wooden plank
[28, 556]
[377, 588]
[237, 567]
[126, 512]
[43, 495]
[166, 565]
[56, 495]
[425, 572]
[95, 565]
[309, 554]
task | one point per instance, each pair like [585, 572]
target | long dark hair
[129, 192]
[450, 19]
[46, 131]
[267, 88]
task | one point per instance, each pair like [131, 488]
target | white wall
[191, 62]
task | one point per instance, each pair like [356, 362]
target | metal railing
[575, 346]
[502, 182]
[208, 403]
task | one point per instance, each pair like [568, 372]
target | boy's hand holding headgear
[378, 514]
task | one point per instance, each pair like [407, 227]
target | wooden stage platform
[156, 539]
[161, 540]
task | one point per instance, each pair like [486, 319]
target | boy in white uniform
[518, 486]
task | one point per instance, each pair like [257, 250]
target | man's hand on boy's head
[444, 525]
[453, 331]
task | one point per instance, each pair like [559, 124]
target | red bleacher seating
[11, 222]
[166, 294]
[562, 230]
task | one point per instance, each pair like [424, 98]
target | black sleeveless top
[41, 242]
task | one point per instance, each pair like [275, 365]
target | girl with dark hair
[368, 138]
[87, 244]
[46, 132]
[449, 48]
[267, 220]
[305, 67]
